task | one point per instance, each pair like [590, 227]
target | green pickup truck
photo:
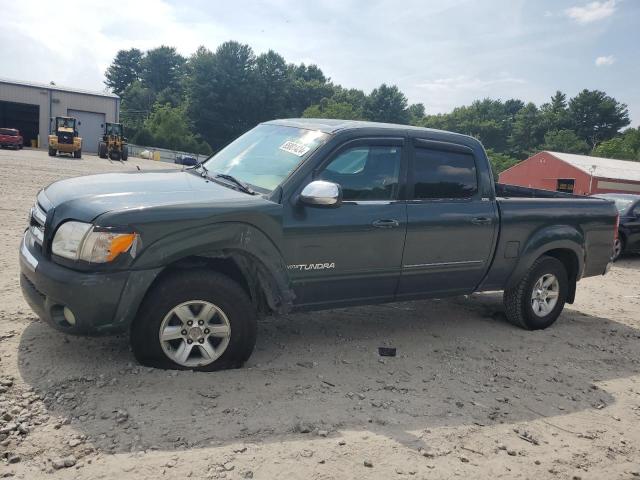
[300, 214]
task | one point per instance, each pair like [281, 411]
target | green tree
[500, 162]
[387, 104]
[555, 114]
[307, 86]
[124, 70]
[223, 101]
[162, 68]
[527, 133]
[416, 113]
[564, 141]
[272, 86]
[353, 96]
[168, 127]
[329, 108]
[626, 146]
[137, 104]
[597, 117]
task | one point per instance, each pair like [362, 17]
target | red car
[10, 137]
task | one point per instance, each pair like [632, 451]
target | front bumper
[65, 147]
[104, 302]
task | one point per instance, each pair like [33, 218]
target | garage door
[22, 116]
[90, 128]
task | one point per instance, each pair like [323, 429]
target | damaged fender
[257, 257]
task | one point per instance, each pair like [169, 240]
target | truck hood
[85, 198]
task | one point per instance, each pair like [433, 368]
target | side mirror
[321, 193]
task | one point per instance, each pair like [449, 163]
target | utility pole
[592, 170]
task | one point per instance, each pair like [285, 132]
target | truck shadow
[458, 363]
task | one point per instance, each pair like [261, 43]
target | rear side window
[443, 174]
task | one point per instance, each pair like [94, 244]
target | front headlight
[81, 241]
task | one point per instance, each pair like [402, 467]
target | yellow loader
[113, 144]
[64, 138]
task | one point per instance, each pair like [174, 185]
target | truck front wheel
[538, 299]
[52, 152]
[195, 320]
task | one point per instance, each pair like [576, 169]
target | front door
[350, 254]
[451, 227]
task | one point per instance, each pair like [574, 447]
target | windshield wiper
[243, 186]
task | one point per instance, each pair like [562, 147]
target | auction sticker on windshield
[295, 148]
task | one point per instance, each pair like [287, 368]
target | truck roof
[330, 125]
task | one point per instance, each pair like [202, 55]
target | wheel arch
[561, 242]
[242, 267]
[239, 250]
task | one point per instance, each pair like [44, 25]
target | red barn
[578, 174]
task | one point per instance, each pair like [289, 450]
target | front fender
[252, 250]
[554, 237]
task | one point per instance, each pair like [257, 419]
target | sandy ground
[467, 396]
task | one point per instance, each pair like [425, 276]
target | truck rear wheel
[102, 150]
[195, 320]
[125, 153]
[52, 152]
[77, 154]
[538, 299]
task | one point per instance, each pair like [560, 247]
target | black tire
[102, 150]
[52, 152]
[77, 154]
[187, 286]
[125, 153]
[115, 156]
[518, 302]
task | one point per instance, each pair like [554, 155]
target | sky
[442, 53]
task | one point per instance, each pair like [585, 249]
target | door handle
[481, 220]
[386, 223]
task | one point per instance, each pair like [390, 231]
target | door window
[365, 172]
[443, 174]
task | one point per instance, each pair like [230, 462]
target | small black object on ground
[387, 351]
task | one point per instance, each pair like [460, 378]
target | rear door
[450, 226]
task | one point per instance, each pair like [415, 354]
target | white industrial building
[30, 107]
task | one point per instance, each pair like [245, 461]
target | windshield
[66, 123]
[114, 129]
[264, 156]
[622, 204]
[8, 131]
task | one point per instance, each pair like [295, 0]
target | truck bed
[528, 214]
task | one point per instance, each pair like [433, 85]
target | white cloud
[592, 12]
[605, 61]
